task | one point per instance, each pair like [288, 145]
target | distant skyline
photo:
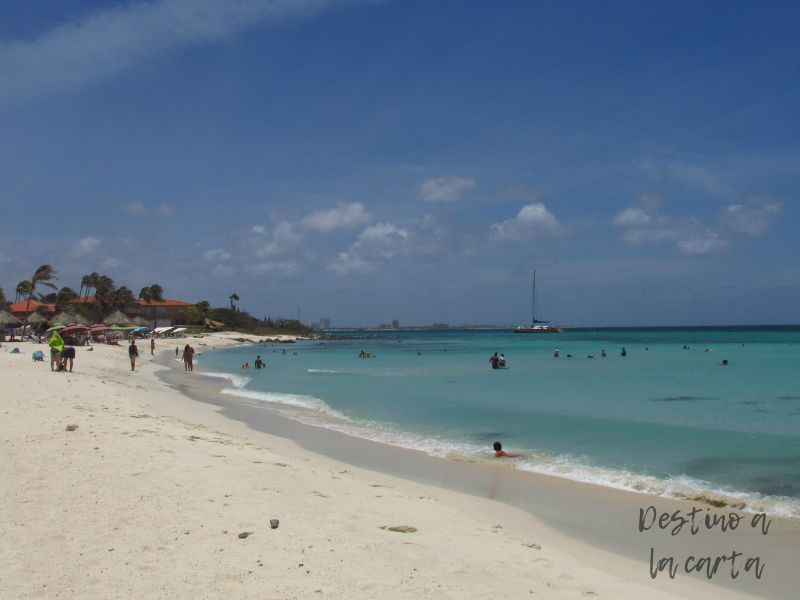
[376, 160]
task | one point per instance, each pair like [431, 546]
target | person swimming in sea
[500, 453]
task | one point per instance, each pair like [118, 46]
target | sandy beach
[156, 495]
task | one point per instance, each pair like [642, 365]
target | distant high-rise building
[395, 324]
[385, 326]
[325, 323]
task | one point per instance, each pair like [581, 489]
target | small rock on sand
[71, 427]
[401, 528]
[244, 534]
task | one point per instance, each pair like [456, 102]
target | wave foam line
[317, 413]
[238, 380]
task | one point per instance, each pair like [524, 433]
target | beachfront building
[395, 324]
[21, 310]
[166, 313]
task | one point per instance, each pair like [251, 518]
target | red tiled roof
[90, 300]
[21, 306]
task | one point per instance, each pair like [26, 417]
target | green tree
[3, 301]
[145, 296]
[157, 293]
[42, 276]
[122, 298]
[192, 314]
[233, 297]
[64, 299]
[23, 290]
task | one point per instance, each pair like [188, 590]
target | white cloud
[222, 271]
[165, 210]
[375, 245]
[753, 217]
[85, 246]
[646, 225]
[135, 208]
[275, 267]
[708, 243]
[533, 221]
[104, 42]
[216, 255]
[444, 189]
[110, 263]
[283, 239]
[342, 217]
[429, 220]
[346, 264]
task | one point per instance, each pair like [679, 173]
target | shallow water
[662, 420]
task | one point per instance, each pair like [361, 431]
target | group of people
[498, 362]
[60, 354]
[259, 364]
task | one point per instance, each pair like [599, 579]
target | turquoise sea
[662, 420]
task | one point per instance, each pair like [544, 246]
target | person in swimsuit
[67, 355]
[500, 453]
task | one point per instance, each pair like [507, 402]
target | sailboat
[536, 325]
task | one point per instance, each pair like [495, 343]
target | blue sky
[372, 160]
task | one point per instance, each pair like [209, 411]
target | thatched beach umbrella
[67, 318]
[141, 322]
[6, 319]
[35, 319]
[117, 319]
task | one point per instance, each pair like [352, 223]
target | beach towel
[16, 351]
[56, 342]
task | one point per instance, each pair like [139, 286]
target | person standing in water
[495, 361]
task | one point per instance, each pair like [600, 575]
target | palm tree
[232, 298]
[156, 293]
[122, 298]
[86, 282]
[94, 281]
[42, 276]
[64, 298]
[23, 289]
[3, 301]
[145, 295]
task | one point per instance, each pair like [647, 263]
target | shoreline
[134, 502]
[603, 517]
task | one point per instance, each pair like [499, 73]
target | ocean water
[662, 420]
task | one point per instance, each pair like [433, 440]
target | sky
[375, 160]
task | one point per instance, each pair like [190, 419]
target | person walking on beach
[133, 352]
[152, 346]
[67, 355]
[188, 355]
[176, 352]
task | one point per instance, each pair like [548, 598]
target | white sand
[136, 503]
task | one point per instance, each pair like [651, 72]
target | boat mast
[533, 300]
